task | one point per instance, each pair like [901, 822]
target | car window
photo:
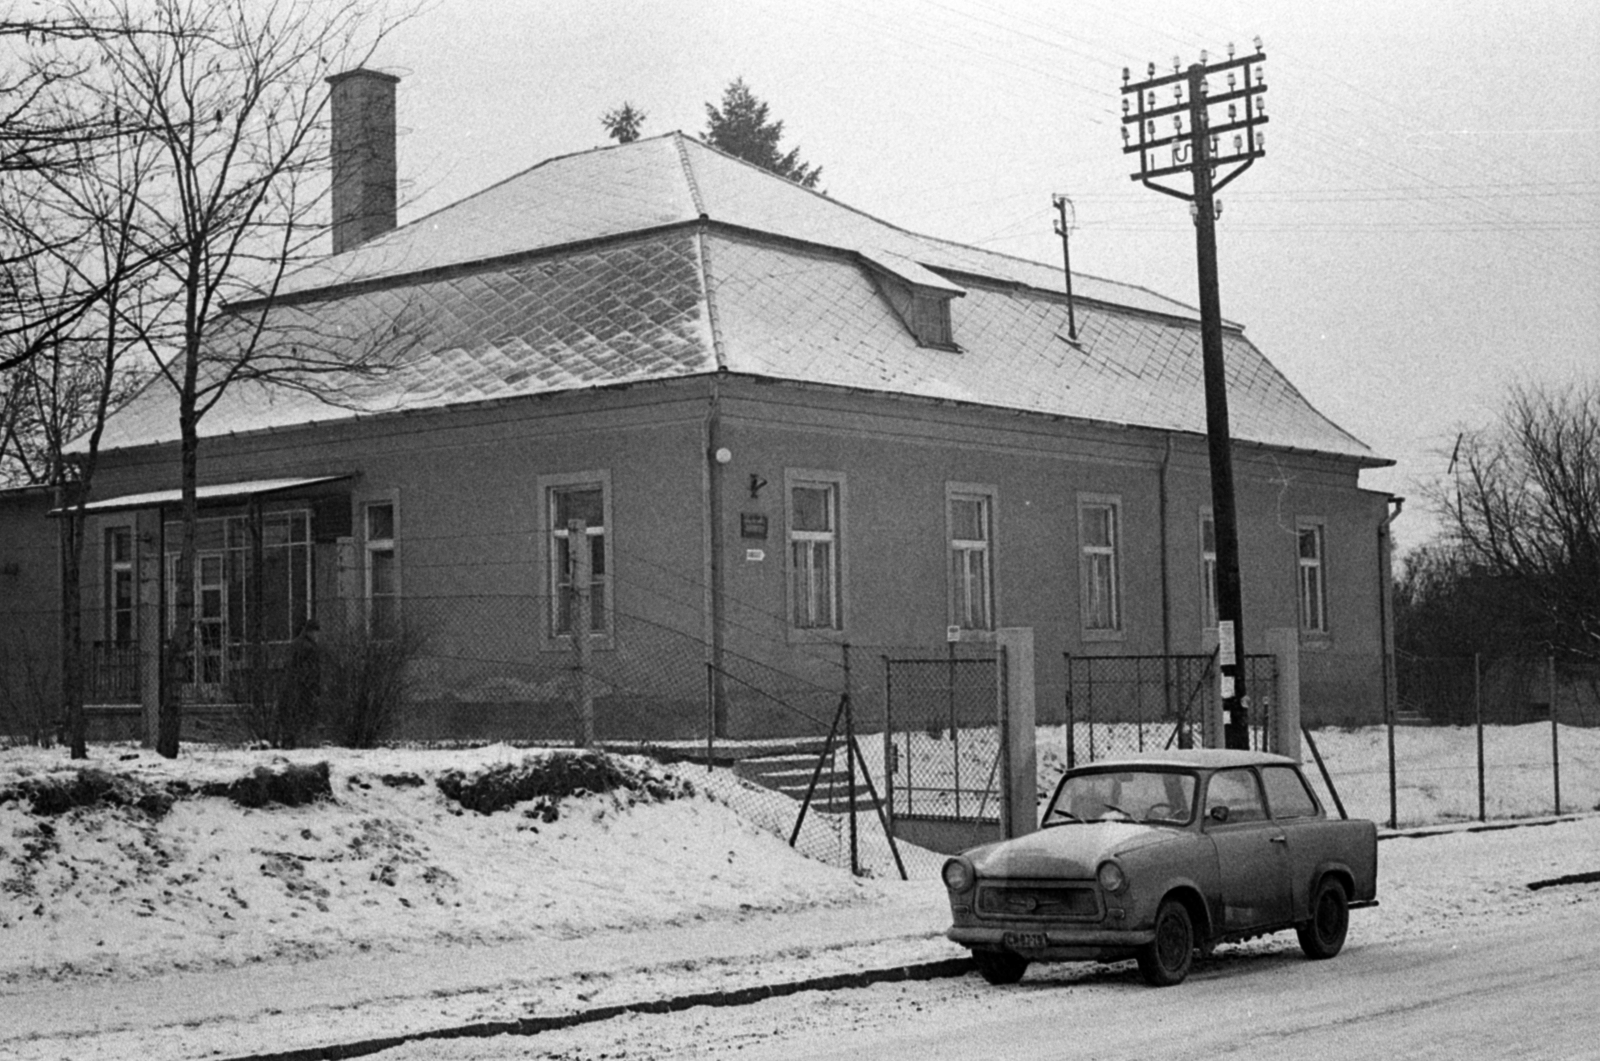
[1287, 793]
[1238, 790]
[1161, 797]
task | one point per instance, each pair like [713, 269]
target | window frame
[1117, 628]
[114, 567]
[370, 547]
[549, 487]
[958, 596]
[834, 483]
[1314, 569]
[1274, 770]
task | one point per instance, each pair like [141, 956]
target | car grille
[1043, 901]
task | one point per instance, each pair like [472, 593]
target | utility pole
[1064, 229]
[1198, 152]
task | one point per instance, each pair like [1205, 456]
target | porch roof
[213, 492]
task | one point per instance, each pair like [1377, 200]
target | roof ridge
[688, 173]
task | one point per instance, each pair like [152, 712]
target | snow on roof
[607, 267]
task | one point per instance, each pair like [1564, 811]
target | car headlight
[959, 875]
[1111, 877]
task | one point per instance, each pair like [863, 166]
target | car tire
[1167, 959]
[1322, 936]
[1000, 967]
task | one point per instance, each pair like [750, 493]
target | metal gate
[943, 745]
[1123, 705]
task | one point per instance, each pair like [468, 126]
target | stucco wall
[472, 547]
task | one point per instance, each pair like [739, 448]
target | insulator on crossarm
[1230, 49]
[1125, 75]
[1257, 43]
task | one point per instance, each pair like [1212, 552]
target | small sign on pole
[952, 634]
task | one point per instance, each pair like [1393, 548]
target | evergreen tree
[741, 129]
[623, 123]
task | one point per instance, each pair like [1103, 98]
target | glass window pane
[380, 522]
[966, 520]
[1286, 793]
[382, 571]
[811, 508]
[1097, 525]
[585, 503]
[1308, 544]
[1208, 535]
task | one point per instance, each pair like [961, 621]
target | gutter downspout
[712, 483]
[1184, 738]
[1386, 635]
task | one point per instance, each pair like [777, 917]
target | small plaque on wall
[753, 525]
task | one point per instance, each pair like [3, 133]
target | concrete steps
[789, 769]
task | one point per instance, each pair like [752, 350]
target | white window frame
[550, 535]
[961, 554]
[1089, 560]
[373, 547]
[814, 626]
[1210, 601]
[1311, 578]
[115, 571]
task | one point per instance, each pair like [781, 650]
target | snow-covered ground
[109, 900]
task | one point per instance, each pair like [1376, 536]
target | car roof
[1203, 758]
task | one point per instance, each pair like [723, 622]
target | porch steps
[788, 770]
[1408, 715]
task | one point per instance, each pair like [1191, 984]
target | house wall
[472, 548]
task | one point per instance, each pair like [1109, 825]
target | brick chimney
[363, 156]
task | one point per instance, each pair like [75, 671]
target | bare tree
[232, 94]
[1524, 510]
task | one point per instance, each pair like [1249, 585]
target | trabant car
[1157, 856]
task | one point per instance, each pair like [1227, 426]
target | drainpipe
[1386, 634]
[1184, 740]
[716, 455]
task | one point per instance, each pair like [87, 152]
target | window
[382, 573]
[119, 584]
[1099, 533]
[1313, 580]
[580, 505]
[1208, 571]
[224, 586]
[969, 518]
[814, 554]
[1237, 790]
[1287, 793]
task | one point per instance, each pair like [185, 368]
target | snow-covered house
[786, 426]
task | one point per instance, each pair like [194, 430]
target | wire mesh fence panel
[942, 742]
[1126, 705]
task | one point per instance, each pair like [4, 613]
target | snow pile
[390, 860]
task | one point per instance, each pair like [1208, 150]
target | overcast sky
[1423, 234]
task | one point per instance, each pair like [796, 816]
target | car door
[1252, 863]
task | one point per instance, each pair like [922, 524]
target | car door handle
[1278, 839]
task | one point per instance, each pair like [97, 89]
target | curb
[1480, 828]
[937, 970]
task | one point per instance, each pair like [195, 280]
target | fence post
[850, 763]
[1477, 703]
[1555, 735]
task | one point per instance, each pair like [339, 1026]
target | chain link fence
[1125, 705]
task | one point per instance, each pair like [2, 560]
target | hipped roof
[665, 259]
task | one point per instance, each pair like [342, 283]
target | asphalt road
[1519, 988]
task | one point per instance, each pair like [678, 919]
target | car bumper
[1059, 944]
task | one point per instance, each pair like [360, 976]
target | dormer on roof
[920, 296]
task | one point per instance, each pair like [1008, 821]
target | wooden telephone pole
[1200, 153]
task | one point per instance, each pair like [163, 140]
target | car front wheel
[1323, 935]
[1000, 967]
[1166, 960]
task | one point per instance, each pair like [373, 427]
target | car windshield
[1160, 797]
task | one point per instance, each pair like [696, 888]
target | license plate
[1025, 940]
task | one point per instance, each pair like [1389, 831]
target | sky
[1422, 235]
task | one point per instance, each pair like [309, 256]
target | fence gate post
[1018, 728]
[1284, 646]
[1477, 703]
[1555, 735]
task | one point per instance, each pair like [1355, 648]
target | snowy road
[1521, 987]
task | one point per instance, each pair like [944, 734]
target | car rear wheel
[1323, 935]
[1000, 967]
[1166, 960]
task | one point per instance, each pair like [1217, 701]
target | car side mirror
[1218, 814]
